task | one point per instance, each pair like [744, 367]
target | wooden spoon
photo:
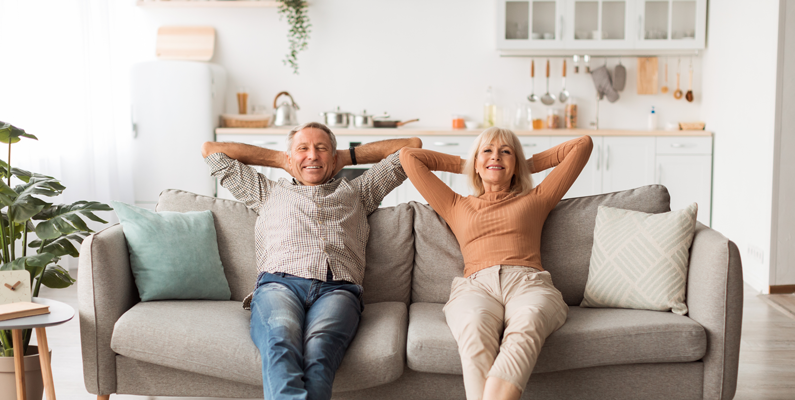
[677, 92]
[689, 95]
[664, 89]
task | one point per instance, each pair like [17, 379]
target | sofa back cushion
[566, 243]
[390, 250]
[390, 255]
[234, 226]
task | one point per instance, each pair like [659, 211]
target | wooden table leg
[46, 367]
[19, 363]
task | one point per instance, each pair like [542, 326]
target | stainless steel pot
[337, 118]
[363, 120]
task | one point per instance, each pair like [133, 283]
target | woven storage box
[245, 120]
[691, 126]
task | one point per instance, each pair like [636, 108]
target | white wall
[739, 104]
[783, 246]
[412, 58]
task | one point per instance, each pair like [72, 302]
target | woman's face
[495, 164]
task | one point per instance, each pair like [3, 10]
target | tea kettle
[285, 113]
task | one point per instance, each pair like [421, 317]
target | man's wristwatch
[353, 155]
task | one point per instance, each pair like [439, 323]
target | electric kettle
[285, 113]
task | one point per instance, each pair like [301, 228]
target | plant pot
[33, 383]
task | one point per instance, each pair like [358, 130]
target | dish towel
[604, 86]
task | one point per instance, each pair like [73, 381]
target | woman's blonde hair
[521, 183]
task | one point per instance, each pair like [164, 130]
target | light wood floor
[767, 353]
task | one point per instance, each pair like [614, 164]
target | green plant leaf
[38, 260]
[76, 237]
[25, 176]
[11, 134]
[25, 206]
[63, 219]
[56, 277]
[61, 247]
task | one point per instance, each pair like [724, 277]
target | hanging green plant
[295, 11]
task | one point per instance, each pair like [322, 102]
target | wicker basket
[245, 120]
[691, 126]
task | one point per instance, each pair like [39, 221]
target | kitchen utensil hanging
[576, 60]
[648, 79]
[619, 76]
[533, 98]
[564, 94]
[678, 92]
[664, 89]
[587, 59]
[689, 94]
[548, 98]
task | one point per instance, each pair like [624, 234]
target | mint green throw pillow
[173, 256]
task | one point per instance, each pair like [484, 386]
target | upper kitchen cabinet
[671, 24]
[530, 24]
[607, 25]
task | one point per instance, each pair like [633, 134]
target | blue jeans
[302, 328]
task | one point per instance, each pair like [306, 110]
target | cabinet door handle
[607, 158]
[561, 28]
[261, 143]
[640, 27]
[528, 145]
[598, 156]
[681, 145]
[445, 144]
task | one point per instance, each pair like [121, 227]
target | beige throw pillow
[640, 260]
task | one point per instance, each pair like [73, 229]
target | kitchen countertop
[462, 132]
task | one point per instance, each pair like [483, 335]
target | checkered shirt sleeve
[379, 180]
[246, 184]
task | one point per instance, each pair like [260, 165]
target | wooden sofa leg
[103, 397]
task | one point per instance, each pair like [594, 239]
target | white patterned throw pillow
[639, 260]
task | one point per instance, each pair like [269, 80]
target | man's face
[311, 161]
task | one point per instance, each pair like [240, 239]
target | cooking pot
[285, 113]
[337, 118]
[363, 120]
[384, 121]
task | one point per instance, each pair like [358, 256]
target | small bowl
[549, 36]
[471, 124]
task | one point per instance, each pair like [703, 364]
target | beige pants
[515, 303]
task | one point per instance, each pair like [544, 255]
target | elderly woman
[505, 306]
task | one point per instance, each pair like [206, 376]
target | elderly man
[311, 235]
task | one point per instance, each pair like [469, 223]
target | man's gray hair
[317, 125]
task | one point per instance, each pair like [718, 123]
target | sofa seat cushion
[212, 338]
[590, 337]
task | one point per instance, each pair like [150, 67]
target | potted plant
[59, 227]
[295, 11]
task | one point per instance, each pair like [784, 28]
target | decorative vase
[33, 383]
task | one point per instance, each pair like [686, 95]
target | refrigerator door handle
[132, 122]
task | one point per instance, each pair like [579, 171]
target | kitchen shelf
[462, 132]
[209, 3]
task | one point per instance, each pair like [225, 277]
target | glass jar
[553, 119]
[458, 121]
[571, 114]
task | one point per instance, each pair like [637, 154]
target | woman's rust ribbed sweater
[498, 228]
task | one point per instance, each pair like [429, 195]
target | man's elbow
[415, 142]
[208, 148]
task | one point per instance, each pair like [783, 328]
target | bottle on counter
[571, 114]
[653, 120]
[489, 110]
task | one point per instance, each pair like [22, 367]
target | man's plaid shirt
[305, 230]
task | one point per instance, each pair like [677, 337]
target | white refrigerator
[176, 106]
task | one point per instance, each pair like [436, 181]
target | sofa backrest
[390, 250]
[566, 243]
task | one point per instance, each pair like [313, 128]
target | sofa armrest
[105, 290]
[715, 300]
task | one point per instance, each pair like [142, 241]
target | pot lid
[337, 111]
[385, 115]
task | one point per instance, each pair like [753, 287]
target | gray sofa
[403, 348]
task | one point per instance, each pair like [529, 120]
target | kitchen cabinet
[616, 163]
[671, 24]
[582, 25]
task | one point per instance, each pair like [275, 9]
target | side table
[59, 313]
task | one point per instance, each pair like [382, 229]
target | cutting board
[195, 43]
[647, 75]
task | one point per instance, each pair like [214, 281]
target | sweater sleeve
[419, 165]
[569, 159]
